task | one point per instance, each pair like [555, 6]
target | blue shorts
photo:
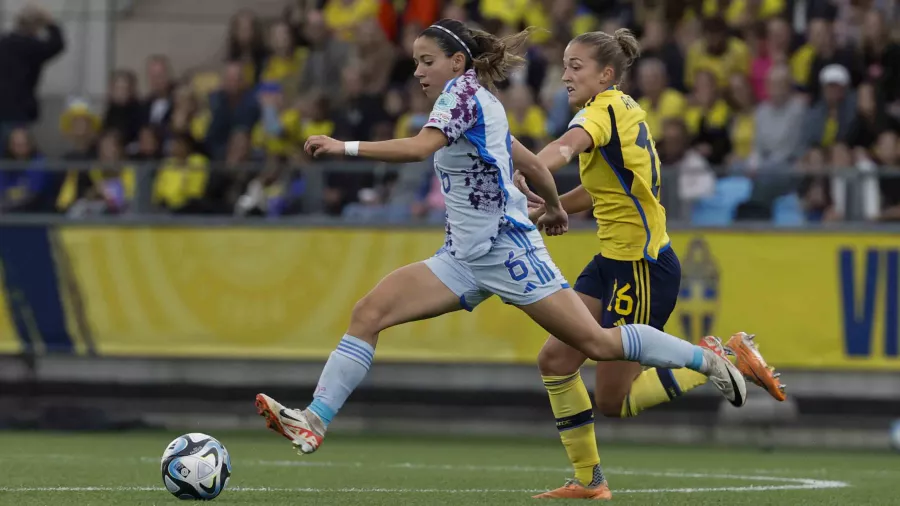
[518, 269]
[633, 291]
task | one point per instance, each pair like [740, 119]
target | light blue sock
[654, 348]
[344, 371]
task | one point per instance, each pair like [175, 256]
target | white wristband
[351, 148]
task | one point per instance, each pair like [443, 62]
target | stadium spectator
[25, 186]
[717, 52]
[774, 49]
[35, 40]
[123, 110]
[527, 121]
[359, 109]
[327, 57]
[828, 121]
[343, 17]
[224, 187]
[107, 188]
[80, 126]
[148, 146]
[743, 107]
[157, 105]
[872, 118]
[881, 58]
[277, 134]
[187, 116]
[376, 56]
[657, 43]
[246, 44]
[277, 191]
[232, 107]
[827, 52]
[658, 100]
[315, 117]
[778, 125]
[285, 62]
[180, 183]
[887, 153]
[707, 117]
[695, 177]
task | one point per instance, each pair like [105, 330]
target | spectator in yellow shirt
[285, 63]
[343, 16]
[658, 100]
[107, 188]
[180, 184]
[707, 118]
[527, 121]
[741, 130]
[245, 44]
[277, 132]
[717, 52]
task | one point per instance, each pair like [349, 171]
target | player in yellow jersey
[635, 278]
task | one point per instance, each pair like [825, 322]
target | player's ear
[458, 62]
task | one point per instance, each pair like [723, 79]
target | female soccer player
[491, 247]
[635, 278]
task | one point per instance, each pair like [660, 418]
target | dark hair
[493, 58]
[618, 51]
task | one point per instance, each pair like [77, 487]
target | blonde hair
[492, 57]
[618, 51]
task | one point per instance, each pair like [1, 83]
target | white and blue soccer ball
[895, 435]
[196, 466]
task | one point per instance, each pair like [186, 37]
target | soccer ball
[895, 435]
[195, 466]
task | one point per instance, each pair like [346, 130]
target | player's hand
[535, 212]
[555, 221]
[318, 145]
[522, 184]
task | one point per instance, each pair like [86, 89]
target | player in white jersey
[491, 247]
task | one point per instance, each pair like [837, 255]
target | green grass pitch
[123, 469]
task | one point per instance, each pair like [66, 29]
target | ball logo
[182, 470]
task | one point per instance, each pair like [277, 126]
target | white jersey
[476, 169]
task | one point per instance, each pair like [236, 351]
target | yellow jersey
[622, 175]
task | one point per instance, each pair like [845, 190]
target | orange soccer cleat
[573, 489]
[753, 366]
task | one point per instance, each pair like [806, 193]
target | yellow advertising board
[815, 300]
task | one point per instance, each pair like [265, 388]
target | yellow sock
[571, 405]
[656, 386]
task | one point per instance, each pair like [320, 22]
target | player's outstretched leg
[564, 316]
[410, 293]
[570, 401]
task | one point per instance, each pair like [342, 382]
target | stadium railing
[853, 188]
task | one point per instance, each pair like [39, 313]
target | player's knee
[553, 361]
[608, 404]
[368, 316]
[603, 346]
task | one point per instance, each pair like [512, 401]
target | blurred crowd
[760, 109]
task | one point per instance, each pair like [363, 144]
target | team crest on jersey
[445, 102]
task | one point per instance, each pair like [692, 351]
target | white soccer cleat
[305, 434]
[722, 373]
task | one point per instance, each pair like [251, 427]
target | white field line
[785, 482]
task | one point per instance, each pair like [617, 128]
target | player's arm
[410, 149]
[560, 152]
[577, 200]
[573, 202]
[535, 171]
